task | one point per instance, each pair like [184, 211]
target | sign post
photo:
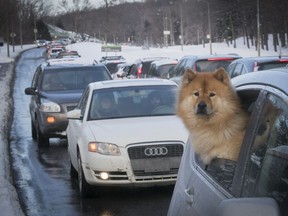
[13, 35]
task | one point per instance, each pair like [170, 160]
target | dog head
[205, 94]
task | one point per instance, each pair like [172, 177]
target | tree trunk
[275, 41]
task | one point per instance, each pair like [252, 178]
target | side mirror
[30, 91]
[74, 114]
[249, 207]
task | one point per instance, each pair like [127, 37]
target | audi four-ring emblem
[155, 151]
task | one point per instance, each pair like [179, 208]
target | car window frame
[237, 180]
[273, 101]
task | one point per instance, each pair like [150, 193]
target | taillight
[283, 60]
[139, 72]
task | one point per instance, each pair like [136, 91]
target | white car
[133, 144]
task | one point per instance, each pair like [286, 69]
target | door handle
[189, 195]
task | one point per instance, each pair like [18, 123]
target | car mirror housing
[249, 207]
[74, 114]
[30, 91]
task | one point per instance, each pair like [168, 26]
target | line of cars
[125, 146]
[258, 183]
[167, 68]
[141, 145]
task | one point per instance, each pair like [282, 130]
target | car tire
[73, 171]
[42, 140]
[33, 131]
[84, 188]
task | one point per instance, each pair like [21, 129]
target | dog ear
[221, 75]
[188, 76]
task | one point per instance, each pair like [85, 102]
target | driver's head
[155, 99]
[106, 102]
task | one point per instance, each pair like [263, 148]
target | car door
[265, 163]
[195, 193]
[74, 127]
[199, 189]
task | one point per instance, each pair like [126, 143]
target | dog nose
[201, 109]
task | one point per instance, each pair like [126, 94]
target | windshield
[72, 78]
[139, 101]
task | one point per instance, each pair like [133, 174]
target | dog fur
[210, 109]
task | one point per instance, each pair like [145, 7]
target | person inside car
[53, 83]
[155, 100]
[107, 107]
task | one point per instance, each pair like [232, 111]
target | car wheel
[42, 140]
[33, 131]
[84, 187]
[73, 171]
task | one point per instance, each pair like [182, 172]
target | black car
[56, 88]
[141, 66]
[161, 68]
[111, 62]
[251, 64]
[257, 184]
[207, 63]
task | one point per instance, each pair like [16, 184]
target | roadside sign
[166, 32]
[12, 34]
[111, 48]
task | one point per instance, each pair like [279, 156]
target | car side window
[36, 77]
[266, 172]
[238, 70]
[179, 69]
[83, 102]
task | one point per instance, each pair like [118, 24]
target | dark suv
[111, 62]
[252, 64]
[208, 63]
[141, 66]
[56, 88]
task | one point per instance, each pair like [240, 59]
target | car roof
[215, 56]
[165, 61]
[107, 58]
[261, 59]
[276, 78]
[70, 62]
[151, 59]
[130, 82]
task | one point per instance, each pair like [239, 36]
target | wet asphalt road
[41, 176]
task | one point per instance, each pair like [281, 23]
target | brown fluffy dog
[211, 110]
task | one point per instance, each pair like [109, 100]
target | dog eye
[196, 94]
[212, 94]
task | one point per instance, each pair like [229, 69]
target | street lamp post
[258, 29]
[209, 24]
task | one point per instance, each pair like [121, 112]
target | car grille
[156, 161]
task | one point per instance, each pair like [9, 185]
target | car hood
[63, 97]
[135, 130]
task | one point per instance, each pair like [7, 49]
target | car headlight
[104, 148]
[50, 106]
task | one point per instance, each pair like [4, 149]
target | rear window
[111, 66]
[211, 65]
[271, 65]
